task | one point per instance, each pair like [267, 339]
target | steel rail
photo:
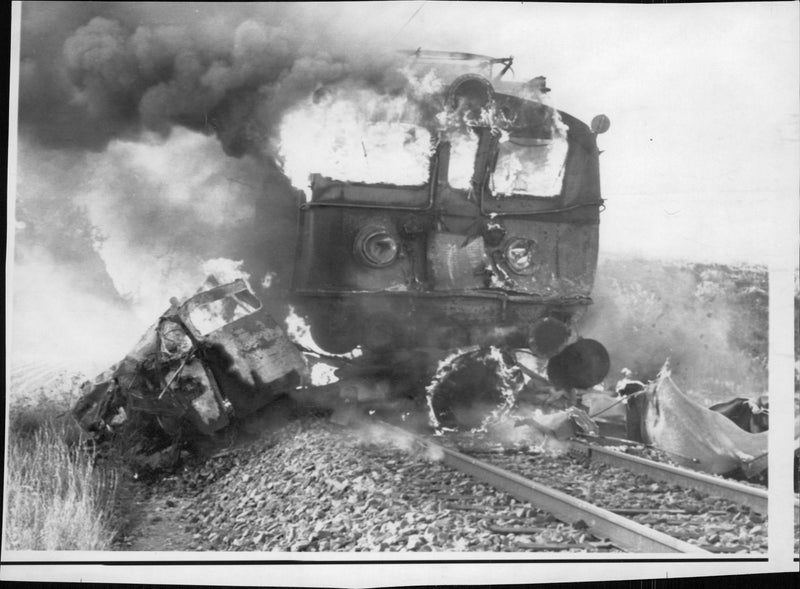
[752, 497]
[623, 532]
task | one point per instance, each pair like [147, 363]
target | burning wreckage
[451, 236]
[215, 358]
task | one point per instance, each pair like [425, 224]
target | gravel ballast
[715, 524]
[313, 486]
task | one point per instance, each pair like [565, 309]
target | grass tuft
[57, 499]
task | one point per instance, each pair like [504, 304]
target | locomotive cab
[497, 244]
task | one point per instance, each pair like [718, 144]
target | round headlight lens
[376, 247]
[519, 255]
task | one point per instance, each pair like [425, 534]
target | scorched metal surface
[498, 229]
[216, 355]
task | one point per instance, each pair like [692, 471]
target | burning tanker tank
[466, 216]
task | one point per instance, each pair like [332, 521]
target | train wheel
[472, 386]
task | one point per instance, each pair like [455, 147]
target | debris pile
[211, 360]
[695, 436]
[217, 360]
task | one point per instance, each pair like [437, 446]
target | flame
[443, 369]
[530, 167]
[224, 270]
[356, 136]
[217, 314]
[360, 135]
[463, 149]
[268, 278]
[508, 373]
[322, 374]
[299, 331]
[213, 315]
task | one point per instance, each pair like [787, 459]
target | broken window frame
[558, 180]
[531, 121]
[217, 293]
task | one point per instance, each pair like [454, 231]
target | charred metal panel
[457, 262]
[457, 206]
[328, 191]
[329, 259]
[540, 277]
[248, 352]
[320, 250]
[200, 397]
[577, 257]
[247, 357]
[581, 177]
[563, 258]
[580, 193]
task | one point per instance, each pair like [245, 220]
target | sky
[145, 142]
[701, 156]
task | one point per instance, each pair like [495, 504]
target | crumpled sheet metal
[177, 373]
[695, 436]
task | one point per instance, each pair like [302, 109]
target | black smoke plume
[121, 192]
[93, 72]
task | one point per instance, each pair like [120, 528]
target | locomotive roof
[452, 64]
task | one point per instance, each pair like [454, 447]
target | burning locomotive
[449, 246]
[493, 242]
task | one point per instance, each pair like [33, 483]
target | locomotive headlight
[519, 255]
[376, 247]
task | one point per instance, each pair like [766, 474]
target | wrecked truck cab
[249, 355]
[214, 357]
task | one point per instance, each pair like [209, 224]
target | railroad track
[629, 529]
[619, 530]
[753, 497]
[756, 498]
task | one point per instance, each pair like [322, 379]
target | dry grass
[56, 498]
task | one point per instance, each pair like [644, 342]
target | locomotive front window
[529, 166]
[381, 163]
[378, 153]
